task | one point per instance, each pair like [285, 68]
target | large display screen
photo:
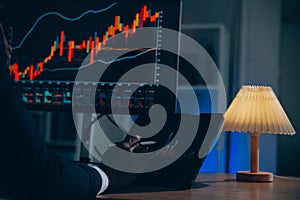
[51, 39]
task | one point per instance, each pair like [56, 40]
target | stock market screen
[52, 40]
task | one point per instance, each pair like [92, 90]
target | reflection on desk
[217, 186]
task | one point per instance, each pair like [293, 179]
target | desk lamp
[256, 110]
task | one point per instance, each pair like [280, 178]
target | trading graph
[65, 48]
[52, 40]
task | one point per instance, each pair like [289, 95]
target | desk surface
[221, 186]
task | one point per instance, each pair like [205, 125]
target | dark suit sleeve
[28, 170]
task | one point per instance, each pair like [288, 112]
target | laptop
[181, 173]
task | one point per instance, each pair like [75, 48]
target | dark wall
[289, 87]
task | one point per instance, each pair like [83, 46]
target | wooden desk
[221, 186]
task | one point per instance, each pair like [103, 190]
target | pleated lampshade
[256, 110]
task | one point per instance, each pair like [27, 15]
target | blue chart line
[63, 17]
[99, 60]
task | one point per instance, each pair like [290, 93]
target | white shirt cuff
[104, 178]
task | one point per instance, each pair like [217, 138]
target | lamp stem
[254, 154]
[254, 175]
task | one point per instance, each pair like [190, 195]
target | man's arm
[27, 163]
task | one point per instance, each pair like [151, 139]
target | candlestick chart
[69, 52]
[51, 40]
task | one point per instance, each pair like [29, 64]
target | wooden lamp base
[254, 177]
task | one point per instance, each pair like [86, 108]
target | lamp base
[254, 177]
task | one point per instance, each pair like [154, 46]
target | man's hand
[118, 179]
[132, 144]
